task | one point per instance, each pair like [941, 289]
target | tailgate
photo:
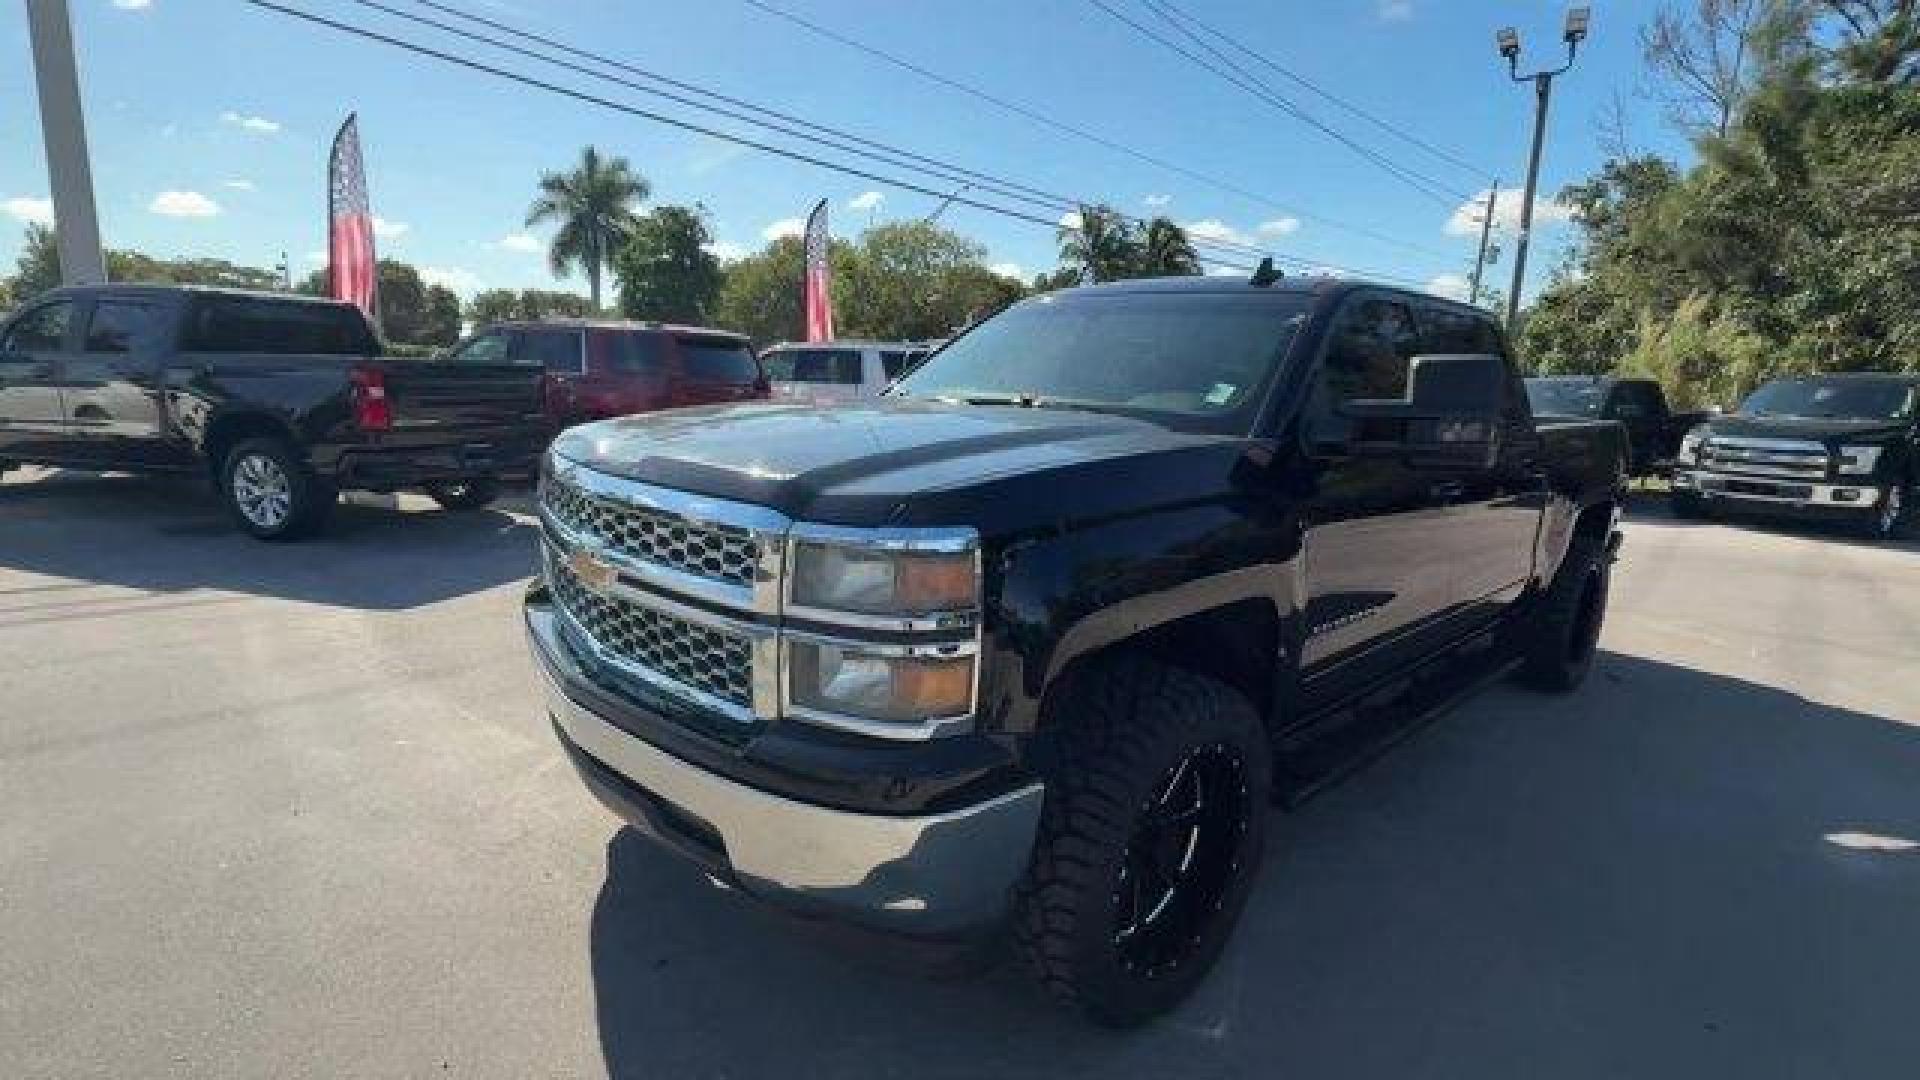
[446, 403]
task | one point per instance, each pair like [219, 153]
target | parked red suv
[597, 369]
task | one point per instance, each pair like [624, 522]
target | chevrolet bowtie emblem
[591, 570]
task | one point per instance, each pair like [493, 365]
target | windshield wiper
[1023, 400]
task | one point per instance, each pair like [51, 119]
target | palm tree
[1102, 246]
[594, 205]
[1165, 250]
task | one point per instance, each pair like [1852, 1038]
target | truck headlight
[1859, 460]
[873, 579]
[1690, 444]
[906, 694]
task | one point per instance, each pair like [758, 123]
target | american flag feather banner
[819, 297]
[352, 272]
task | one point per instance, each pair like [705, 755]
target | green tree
[1101, 244]
[1166, 250]
[504, 305]
[761, 295]
[593, 205]
[38, 268]
[413, 312]
[913, 280]
[1065, 277]
[665, 271]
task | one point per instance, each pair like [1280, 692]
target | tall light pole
[65, 131]
[1509, 41]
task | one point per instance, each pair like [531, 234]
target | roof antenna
[1265, 274]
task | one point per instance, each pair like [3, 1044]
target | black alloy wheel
[1185, 850]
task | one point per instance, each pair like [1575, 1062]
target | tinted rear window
[552, 350]
[717, 359]
[250, 325]
[631, 351]
[814, 366]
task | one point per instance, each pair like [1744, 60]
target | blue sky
[209, 123]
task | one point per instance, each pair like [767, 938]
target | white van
[838, 370]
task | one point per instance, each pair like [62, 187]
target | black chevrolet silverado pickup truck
[1827, 447]
[1034, 639]
[281, 401]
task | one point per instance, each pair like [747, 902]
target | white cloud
[317, 257]
[791, 226]
[1451, 286]
[189, 204]
[389, 230]
[1395, 10]
[524, 243]
[1465, 219]
[251, 123]
[726, 252]
[1325, 271]
[711, 154]
[29, 210]
[1070, 219]
[239, 185]
[1222, 270]
[1216, 230]
[1012, 270]
[1280, 226]
[460, 280]
[866, 200]
[133, 5]
[1157, 201]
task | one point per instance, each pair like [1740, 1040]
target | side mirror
[1451, 413]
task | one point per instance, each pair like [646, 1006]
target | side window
[1626, 402]
[552, 349]
[44, 329]
[487, 349]
[894, 363]
[1367, 356]
[1450, 330]
[118, 325]
[627, 351]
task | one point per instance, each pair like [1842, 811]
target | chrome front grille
[707, 659]
[717, 552]
[1793, 459]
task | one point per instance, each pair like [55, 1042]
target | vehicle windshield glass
[814, 366]
[718, 359]
[1190, 359]
[1833, 399]
[1566, 397]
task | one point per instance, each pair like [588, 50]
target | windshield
[1194, 359]
[1832, 399]
[718, 359]
[1566, 397]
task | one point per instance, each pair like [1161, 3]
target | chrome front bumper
[1781, 491]
[936, 875]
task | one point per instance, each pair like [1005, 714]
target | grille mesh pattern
[719, 552]
[712, 661]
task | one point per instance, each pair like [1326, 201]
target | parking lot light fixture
[1577, 19]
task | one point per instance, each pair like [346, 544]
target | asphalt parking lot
[294, 811]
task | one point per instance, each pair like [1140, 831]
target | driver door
[33, 355]
[1376, 547]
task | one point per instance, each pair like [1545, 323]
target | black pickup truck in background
[281, 401]
[1032, 638]
[1826, 447]
[1637, 405]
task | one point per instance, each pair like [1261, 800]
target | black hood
[1821, 430]
[897, 461]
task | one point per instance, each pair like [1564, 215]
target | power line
[943, 169]
[1321, 92]
[834, 139]
[686, 125]
[1045, 120]
[660, 118]
[1238, 76]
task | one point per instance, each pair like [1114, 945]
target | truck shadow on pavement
[1670, 873]
[168, 536]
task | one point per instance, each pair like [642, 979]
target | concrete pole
[65, 129]
[1543, 93]
[1486, 227]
